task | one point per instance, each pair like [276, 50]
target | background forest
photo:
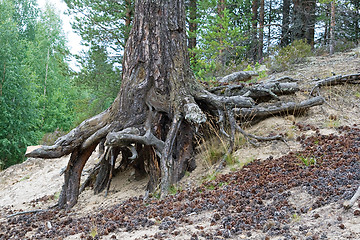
[41, 97]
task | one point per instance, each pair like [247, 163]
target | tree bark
[254, 22]
[332, 28]
[261, 30]
[192, 26]
[310, 19]
[304, 20]
[285, 23]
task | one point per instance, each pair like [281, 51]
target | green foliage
[18, 115]
[103, 23]
[50, 138]
[99, 80]
[257, 68]
[283, 58]
[307, 161]
[220, 44]
[36, 92]
[174, 189]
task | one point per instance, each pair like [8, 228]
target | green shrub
[50, 138]
[283, 58]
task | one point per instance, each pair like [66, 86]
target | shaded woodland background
[41, 98]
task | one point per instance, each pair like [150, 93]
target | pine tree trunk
[192, 25]
[269, 28]
[254, 22]
[310, 19]
[357, 21]
[332, 28]
[220, 11]
[285, 23]
[261, 32]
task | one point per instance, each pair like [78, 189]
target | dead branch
[256, 91]
[238, 76]
[336, 80]
[351, 202]
[87, 130]
[289, 108]
[26, 212]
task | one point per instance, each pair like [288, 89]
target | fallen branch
[349, 204]
[256, 91]
[26, 212]
[336, 80]
[238, 76]
[289, 107]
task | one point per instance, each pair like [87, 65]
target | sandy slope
[34, 179]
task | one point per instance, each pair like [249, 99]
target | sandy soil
[39, 179]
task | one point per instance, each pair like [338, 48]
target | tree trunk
[220, 11]
[310, 19]
[332, 28]
[254, 22]
[285, 23]
[327, 24]
[269, 27]
[192, 25]
[357, 21]
[261, 32]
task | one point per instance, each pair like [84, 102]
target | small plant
[357, 94]
[230, 159]
[307, 161]
[56, 195]
[94, 230]
[174, 189]
[210, 177]
[297, 52]
[296, 218]
[332, 123]
[257, 68]
[223, 184]
[50, 138]
[24, 178]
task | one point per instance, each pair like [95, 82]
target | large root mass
[150, 148]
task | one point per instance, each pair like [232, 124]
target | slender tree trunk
[254, 22]
[45, 83]
[310, 19]
[261, 30]
[128, 17]
[357, 21]
[270, 20]
[192, 26]
[2, 80]
[220, 11]
[285, 23]
[327, 24]
[332, 28]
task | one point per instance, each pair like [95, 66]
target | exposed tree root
[150, 147]
[336, 80]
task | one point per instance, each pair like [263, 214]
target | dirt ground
[36, 183]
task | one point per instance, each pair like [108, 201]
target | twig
[26, 212]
